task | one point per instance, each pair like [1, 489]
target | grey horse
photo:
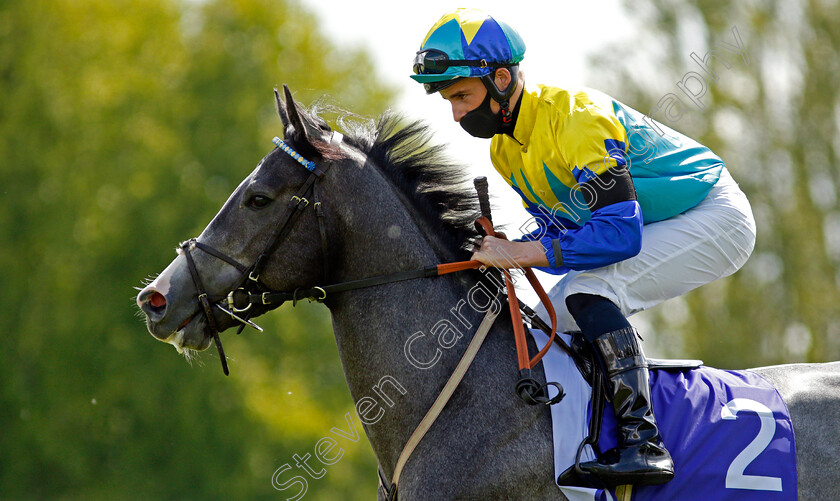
[392, 202]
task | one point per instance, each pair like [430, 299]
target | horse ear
[281, 109]
[305, 130]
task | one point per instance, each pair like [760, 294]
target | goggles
[435, 62]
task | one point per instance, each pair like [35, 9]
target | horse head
[269, 235]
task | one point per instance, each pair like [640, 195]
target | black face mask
[482, 122]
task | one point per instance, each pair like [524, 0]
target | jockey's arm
[612, 234]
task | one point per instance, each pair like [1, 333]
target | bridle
[250, 290]
[249, 286]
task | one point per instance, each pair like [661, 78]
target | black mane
[422, 171]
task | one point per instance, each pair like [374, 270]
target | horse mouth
[192, 334]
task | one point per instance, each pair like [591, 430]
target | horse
[384, 199]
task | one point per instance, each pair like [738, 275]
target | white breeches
[709, 241]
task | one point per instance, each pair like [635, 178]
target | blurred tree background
[774, 118]
[124, 125]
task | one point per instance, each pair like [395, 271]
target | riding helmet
[465, 43]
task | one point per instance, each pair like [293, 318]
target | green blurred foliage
[775, 120]
[124, 125]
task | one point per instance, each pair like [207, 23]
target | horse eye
[258, 202]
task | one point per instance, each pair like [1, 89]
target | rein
[250, 290]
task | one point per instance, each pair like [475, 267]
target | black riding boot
[640, 457]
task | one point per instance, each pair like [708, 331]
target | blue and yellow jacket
[566, 138]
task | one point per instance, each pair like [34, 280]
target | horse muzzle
[184, 330]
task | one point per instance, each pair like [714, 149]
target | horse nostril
[151, 302]
[157, 301]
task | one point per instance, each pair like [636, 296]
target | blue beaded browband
[310, 165]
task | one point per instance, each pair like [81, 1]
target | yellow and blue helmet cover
[473, 35]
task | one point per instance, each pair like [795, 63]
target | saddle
[585, 359]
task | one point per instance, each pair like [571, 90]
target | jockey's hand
[501, 253]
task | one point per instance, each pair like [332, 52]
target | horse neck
[373, 325]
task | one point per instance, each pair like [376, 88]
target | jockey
[632, 212]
